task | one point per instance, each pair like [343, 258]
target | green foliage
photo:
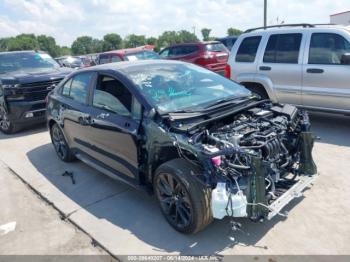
[173, 37]
[206, 34]
[234, 31]
[112, 42]
[134, 41]
[23, 42]
[48, 44]
[65, 50]
[86, 44]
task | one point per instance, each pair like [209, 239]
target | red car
[129, 54]
[212, 55]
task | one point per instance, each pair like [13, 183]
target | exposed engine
[258, 153]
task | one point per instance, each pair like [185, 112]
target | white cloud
[65, 19]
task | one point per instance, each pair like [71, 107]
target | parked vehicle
[228, 41]
[129, 54]
[75, 62]
[26, 77]
[206, 146]
[212, 55]
[305, 65]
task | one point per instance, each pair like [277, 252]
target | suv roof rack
[284, 25]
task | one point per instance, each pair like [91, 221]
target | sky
[66, 19]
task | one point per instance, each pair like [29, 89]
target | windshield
[216, 47]
[26, 62]
[176, 87]
[143, 55]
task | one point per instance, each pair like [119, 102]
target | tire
[188, 194]
[60, 144]
[6, 126]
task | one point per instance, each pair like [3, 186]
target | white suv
[306, 65]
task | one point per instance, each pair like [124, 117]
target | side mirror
[345, 59]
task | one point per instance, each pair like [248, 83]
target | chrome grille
[38, 90]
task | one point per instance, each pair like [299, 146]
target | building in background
[342, 18]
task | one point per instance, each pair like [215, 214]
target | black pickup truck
[26, 77]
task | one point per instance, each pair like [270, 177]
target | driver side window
[111, 95]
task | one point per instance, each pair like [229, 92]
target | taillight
[228, 71]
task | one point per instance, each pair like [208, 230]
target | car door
[73, 109]
[326, 80]
[115, 118]
[282, 64]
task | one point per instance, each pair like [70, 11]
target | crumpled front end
[257, 161]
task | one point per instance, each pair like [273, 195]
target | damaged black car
[204, 145]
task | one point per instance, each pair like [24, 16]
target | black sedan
[206, 146]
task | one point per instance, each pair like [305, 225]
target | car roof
[23, 52]
[293, 28]
[195, 43]
[227, 37]
[127, 51]
[124, 65]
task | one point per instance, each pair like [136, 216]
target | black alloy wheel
[183, 200]
[174, 200]
[59, 142]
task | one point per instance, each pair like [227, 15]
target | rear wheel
[184, 201]
[59, 142]
[6, 126]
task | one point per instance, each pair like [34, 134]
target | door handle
[314, 70]
[265, 68]
[85, 120]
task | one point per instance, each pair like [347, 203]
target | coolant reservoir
[236, 207]
[219, 199]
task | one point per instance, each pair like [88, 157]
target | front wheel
[6, 126]
[59, 142]
[183, 200]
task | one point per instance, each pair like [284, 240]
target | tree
[112, 42]
[205, 33]
[187, 37]
[134, 40]
[64, 50]
[4, 43]
[86, 45]
[233, 31]
[48, 44]
[168, 38]
[23, 42]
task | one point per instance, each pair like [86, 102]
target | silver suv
[306, 65]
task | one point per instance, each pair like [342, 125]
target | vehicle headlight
[12, 92]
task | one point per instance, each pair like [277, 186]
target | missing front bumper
[294, 192]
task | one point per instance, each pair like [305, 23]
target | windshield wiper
[227, 101]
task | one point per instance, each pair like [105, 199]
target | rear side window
[216, 47]
[248, 48]
[283, 48]
[327, 48]
[104, 59]
[115, 58]
[77, 88]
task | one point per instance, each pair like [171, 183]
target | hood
[32, 77]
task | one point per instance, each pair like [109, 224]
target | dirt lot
[125, 221]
